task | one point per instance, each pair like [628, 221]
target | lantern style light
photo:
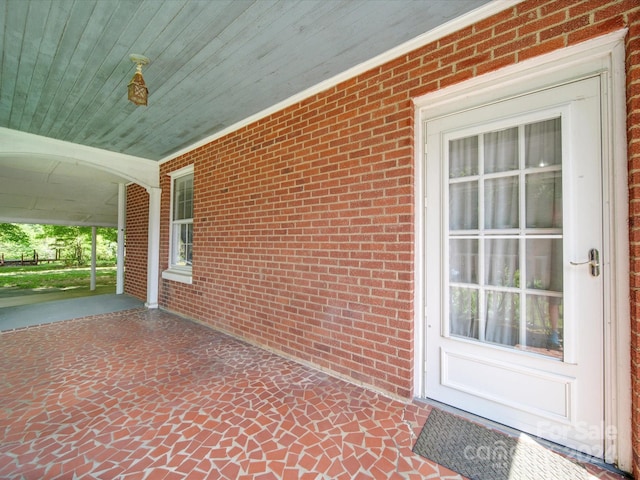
[138, 91]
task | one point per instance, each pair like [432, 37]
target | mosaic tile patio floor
[147, 395]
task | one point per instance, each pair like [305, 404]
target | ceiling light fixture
[138, 91]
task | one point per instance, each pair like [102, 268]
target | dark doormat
[480, 453]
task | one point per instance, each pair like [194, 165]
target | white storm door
[514, 275]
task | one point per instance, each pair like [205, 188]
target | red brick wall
[135, 278]
[633, 129]
[304, 220]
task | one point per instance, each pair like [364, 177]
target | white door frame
[602, 56]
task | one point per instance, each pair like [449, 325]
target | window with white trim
[181, 225]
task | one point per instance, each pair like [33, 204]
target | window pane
[501, 203]
[463, 157]
[545, 329]
[502, 262]
[183, 243]
[503, 318]
[463, 261]
[501, 150]
[543, 143]
[463, 312]
[544, 264]
[463, 206]
[544, 200]
[183, 198]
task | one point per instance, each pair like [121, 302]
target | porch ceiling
[65, 67]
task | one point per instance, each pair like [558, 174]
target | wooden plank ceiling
[65, 64]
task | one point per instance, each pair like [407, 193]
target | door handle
[594, 262]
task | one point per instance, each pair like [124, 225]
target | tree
[13, 240]
[69, 240]
[107, 243]
[13, 233]
[75, 242]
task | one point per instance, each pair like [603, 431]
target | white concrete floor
[24, 308]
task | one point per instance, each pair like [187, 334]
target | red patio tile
[198, 475]
[230, 470]
[147, 394]
[133, 476]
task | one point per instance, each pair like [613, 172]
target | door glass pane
[543, 143]
[463, 157]
[501, 150]
[502, 263]
[463, 312]
[463, 261]
[503, 318]
[544, 264]
[545, 324]
[501, 203]
[544, 199]
[545, 333]
[463, 206]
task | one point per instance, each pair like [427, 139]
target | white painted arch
[49, 181]
[134, 169]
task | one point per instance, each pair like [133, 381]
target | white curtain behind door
[505, 235]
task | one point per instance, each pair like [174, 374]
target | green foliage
[69, 240]
[108, 234]
[70, 244]
[13, 239]
[74, 243]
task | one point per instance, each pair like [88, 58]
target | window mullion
[522, 235]
[482, 308]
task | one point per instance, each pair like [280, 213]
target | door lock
[594, 262]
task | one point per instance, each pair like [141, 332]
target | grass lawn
[54, 276]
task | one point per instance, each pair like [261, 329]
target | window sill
[177, 276]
